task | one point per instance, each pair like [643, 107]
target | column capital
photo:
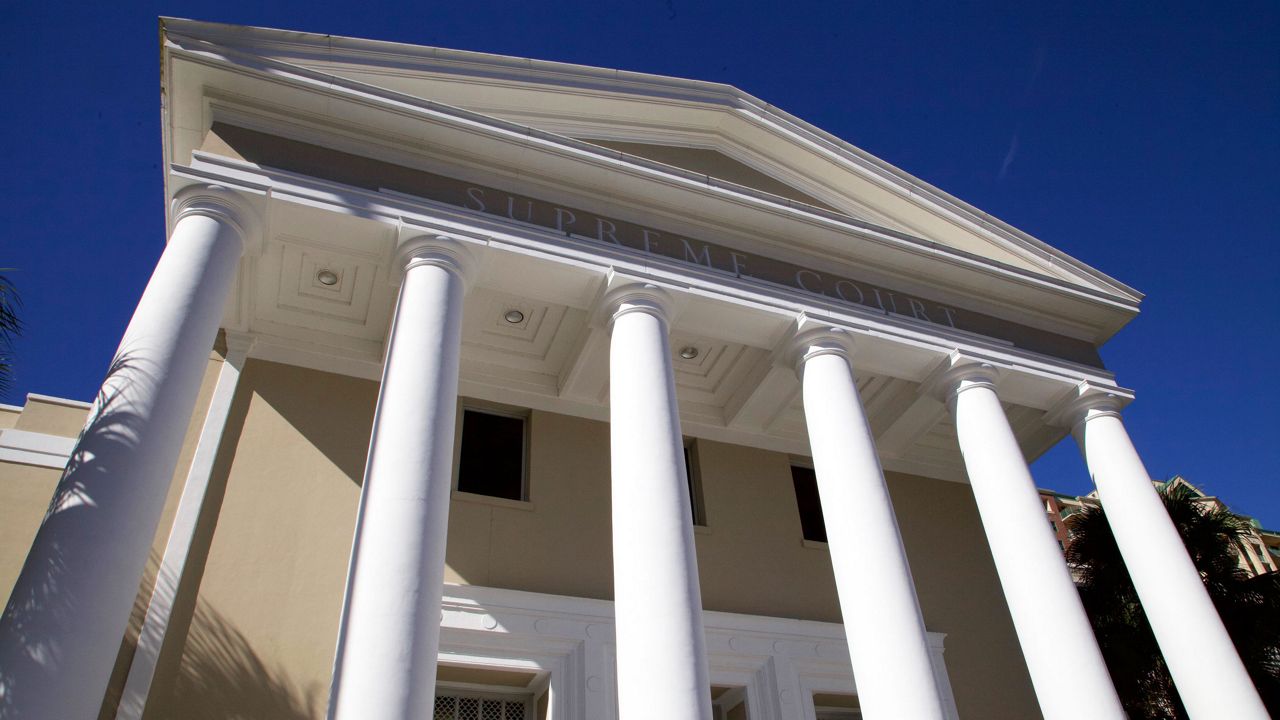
[218, 202]
[1085, 401]
[813, 338]
[636, 296]
[958, 372]
[441, 251]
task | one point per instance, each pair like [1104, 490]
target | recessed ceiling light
[688, 352]
[327, 277]
[515, 317]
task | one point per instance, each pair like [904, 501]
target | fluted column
[887, 640]
[1056, 638]
[385, 664]
[62, 629]
[1205, 666]
[662, 657]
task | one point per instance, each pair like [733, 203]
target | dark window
[693, 477]
[806, 483]
[492, 459]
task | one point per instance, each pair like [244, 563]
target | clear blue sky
[1143, 141]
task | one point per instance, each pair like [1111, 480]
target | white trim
[65, 402]
[1118, 307]
[776, 660]
[228, 42]
[32, 448]
[155, 624]
[531, 240]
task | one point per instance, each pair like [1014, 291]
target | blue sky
[1143, 141]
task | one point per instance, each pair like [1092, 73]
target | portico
[527, 266]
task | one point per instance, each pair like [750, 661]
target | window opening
[836, 706]
[492, 459]
[806, 485]
[729, 703]
[693, 478]
[467, 705]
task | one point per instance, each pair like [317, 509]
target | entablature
[321, 291]
[218, 84]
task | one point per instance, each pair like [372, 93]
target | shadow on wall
[222, 677]
[42, 604]
[219, 676]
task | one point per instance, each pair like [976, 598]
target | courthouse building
[471, 386]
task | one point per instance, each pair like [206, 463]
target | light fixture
[688, 352]
[515, 317]
[327, 277]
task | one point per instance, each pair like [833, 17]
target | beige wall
[271, 592]
[25, 490]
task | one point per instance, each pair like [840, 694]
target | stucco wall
[25, 492]
[271, 592]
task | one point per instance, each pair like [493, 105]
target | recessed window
[693, 476]
[729, 703]
[806, 484]
[836, 706]
[484, 693]
[492, 460]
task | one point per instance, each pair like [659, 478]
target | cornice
[651, 171]
[394, 209]
[555, 76]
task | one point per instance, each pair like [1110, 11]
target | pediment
[714, 163]
[743, 147]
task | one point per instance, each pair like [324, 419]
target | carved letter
[693, 257]
[817, 278]
[862, 300]
[917, 309]
[879, 300]
[610, 235]
[950, 314]
[739, 264]
[477, 196]
[649, 235]
[561, 214]
[511, 209]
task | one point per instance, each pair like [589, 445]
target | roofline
[533, 70]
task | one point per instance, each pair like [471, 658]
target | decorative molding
[222, 204]
[456, 255]
[626, 294]
[958, 372]
[807, 140]
[776, 661]
[51, 400]
[38, 449]
[815, 337]
[1084, 402]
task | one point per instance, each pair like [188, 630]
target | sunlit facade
[471, 386]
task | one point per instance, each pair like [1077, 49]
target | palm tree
[10, 326]
[1248, 606]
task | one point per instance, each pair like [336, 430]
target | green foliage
[10, 327]
[1248, 606]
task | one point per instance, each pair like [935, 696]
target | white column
[1205, 666]
[385, 664]
[662, 657]
[62, 629]
[887, 640]
[1056, 638]
[155, 624]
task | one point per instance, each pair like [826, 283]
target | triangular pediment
[716, 164]
[640, 127]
